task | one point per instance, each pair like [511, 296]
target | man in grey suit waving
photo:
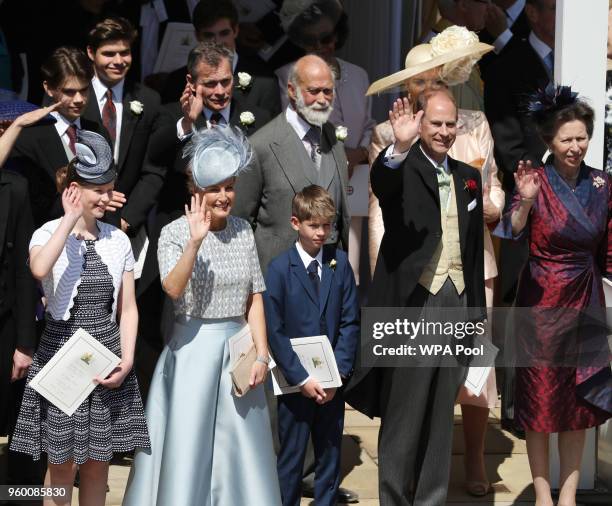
[297, 148]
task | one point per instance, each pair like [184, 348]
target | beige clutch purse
[241, 372]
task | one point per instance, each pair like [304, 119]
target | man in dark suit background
[130, 114]
[217, 20]
[525, 67]
[431, 257]
[43, 148]
[506, 22]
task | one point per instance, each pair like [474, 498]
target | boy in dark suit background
[311, 291]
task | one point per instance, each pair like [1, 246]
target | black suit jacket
[518, 73]
[37, 154]
[520, 30]
[263, 92]
[137, 176]
[17, 289]
[410, 203]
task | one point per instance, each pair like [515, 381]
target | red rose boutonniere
[471, 186]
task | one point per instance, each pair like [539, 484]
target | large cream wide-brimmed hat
[456, 48]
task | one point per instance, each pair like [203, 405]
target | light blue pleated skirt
[208, 448]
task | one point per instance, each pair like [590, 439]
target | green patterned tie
[444, 180]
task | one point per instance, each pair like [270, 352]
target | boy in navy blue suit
[311, 291]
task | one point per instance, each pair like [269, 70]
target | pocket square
[472, 205]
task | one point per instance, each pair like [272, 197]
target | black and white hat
[93, 162]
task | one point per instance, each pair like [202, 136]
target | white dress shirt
[117, 90]
[393, 161]
[61, 125]
[306, 259]
[225, 114]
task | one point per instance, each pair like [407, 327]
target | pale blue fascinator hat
[93, 161]
[216, 154]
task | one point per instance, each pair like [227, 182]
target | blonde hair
[313, 202]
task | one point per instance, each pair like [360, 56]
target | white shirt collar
[514, 11]
[224, 112]
[62, 124]
[306, 258]
[234, 62]
[298, 123]
[539, 46]
[100, 90]
[433, 162]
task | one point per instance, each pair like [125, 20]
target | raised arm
[43, 258]
[8, 138]
[527, 186]
[199, 224]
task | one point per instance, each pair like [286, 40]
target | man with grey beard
[296, 149]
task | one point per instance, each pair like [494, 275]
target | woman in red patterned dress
[563, 209]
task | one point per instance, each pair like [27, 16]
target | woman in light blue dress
[208, 447]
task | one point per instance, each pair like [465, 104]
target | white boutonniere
[244, 80]
[598, 182]
[341, 133]
[136, 107]
[247, 118]
[332, 264]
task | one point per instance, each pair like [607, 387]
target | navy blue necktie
[313, 274]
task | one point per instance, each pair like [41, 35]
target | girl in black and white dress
[86, 268]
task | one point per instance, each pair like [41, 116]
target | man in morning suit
[43, 148]
[310, 291]
[217, 20]
[431, 256]
[296, 149]
[129, 113]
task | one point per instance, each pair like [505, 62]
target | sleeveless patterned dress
[109, 420]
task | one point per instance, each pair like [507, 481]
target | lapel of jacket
[327, 274]
[463, 198]
[426, 170]
[128, 123]
[283, 145]
[5, 203]
[52, 150]
[92, 111]
[328, 139]
[299, 271]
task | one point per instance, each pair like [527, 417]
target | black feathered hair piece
[547, 101]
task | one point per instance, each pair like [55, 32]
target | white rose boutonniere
[598, 182]
[247, 118]
[341, 133]
[136, 107]
[332, 264]
[244, 80]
